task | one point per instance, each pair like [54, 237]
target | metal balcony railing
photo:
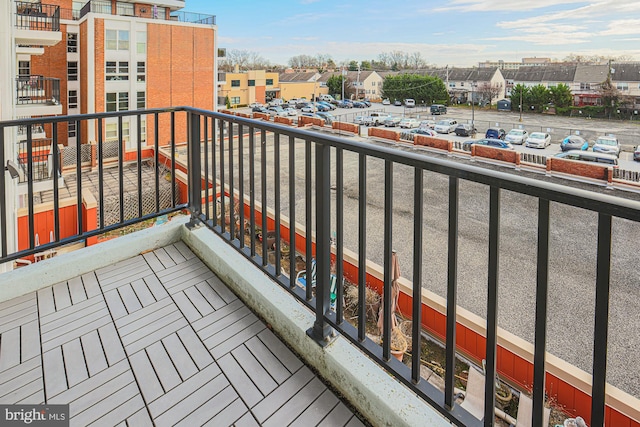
[194, 18]
[37, 90]
[39, 163]
[37, 16]
[268, 166]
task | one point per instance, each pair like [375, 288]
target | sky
[445, 32]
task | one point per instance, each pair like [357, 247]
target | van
[409, 103]
[437, 109]
[590, 156]
[276, 102]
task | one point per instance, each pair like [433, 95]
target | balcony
[37, 95]
[37, 24]
[193, 18]
[348, 205]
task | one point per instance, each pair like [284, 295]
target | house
[548, 76]
[364, 84]
[300, 85]
[586, 84]
[247, 87]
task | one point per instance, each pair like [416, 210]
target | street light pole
[473, 112]
[520, 103]
[342, 78]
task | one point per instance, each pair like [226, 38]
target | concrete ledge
[72, 264]
[367, 386]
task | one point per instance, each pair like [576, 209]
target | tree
[516, 91]
[539, 97]
[610, 96]
[489, 91]
[416, 61]
[424, 89]
[353, 65]
[365, 65]
[561, 95]
[334, 83]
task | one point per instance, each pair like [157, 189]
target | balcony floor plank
[157, 339]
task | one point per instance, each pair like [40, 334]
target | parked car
[516, 136]
[446, 126]
[408, 123]
[437, 109]
[322, 107]
[345, 103]
[490, 142]
[636, 154]
[410, 103]
[327, 117]
[424, 131]
[260, 110]
[538, 140]
[327, 104]
[308, 108]
[574, 142]
[359, 104]
[366, 102]
[377, 118]
[391, 122]
[397, 103]
[495, 133]
[293, 102]
[277, 111]
[590, 156]
[300, 105]
[291, 111]
[428, 124]
[255, 105]
[607, 145]
[327, 98]
[276, 102]
[464, 129]
[386, 101]
[359, 120]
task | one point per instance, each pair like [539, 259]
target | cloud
[501, 5]
[622, 26]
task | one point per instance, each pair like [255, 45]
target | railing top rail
[598, 202]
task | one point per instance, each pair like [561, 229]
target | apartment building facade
[247, 87]
[66, 57]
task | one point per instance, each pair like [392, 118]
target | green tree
[425, 89]
[334, 83]
[365, 65]
[561, 95]
[539, 97]
[515, 97]
[353, 65]
[227, 102]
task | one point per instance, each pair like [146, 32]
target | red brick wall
[305, 120]
[575, 167]
[429, 141]
[509, 156]
[283, 120]
[179, 72]
[384, 133]
[262, 116]
[347, 127]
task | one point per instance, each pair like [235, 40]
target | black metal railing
[37, 90]
[194, 18]
[99, 6]
[312, 177]
[37, 16]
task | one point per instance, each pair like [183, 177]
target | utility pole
[342, 77]
[357, 82]
[521, 87]
[473, 112]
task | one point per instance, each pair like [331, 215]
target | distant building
[247, 87]
[505, 65]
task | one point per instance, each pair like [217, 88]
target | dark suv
[495, 133]
[438, 109]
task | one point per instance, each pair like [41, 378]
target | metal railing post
[195, 184]
[321, 331]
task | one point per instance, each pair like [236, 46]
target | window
[141, 70]
[116, 39]
[235, 83]
[585, 86]
[141, 42]
[72, 42]
[71, 129]
[123, 101]
[143, 132]
[159, 12]
[116, 70]
[141, 100]
[452, 84]
[125, 9]
[269, 82]
[117, 101]
[252, 82]
[73, 99]
[24, 68]
[622, 86]
[111, 131]
[235, 100]
[101, 6]
[72, 70]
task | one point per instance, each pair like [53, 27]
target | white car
[608, 145]
[538, 140]
[408, 123]
[446, 126]
[291, 111]
[360, 120]
[255, 105]
[386, 101]
[516, 136]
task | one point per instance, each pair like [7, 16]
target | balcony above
[37, 24]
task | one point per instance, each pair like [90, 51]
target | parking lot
[572, 256]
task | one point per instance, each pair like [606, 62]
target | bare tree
[239, 58]
[488, 91]
[416, 61]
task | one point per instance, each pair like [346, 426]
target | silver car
[446, 126]
[607, 145]
[516, 136]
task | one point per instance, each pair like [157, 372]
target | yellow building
[301, 85]
[250, 86]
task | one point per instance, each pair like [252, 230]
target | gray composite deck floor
[156, 340]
